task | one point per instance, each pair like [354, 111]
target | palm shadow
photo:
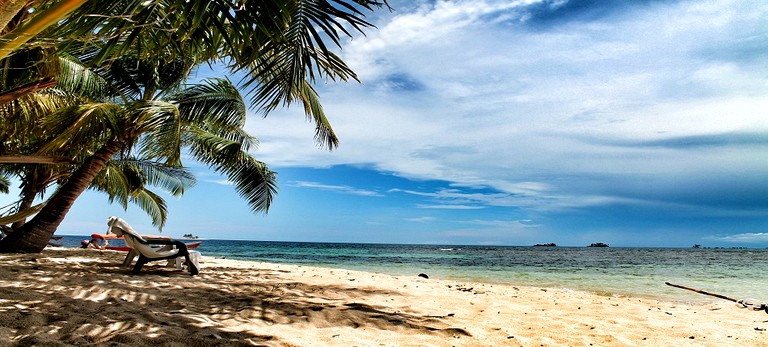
[41, 292]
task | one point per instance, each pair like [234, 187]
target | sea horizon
[438, 243]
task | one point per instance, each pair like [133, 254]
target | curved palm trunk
[28, 198]
[33, 236]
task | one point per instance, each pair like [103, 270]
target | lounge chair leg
[139, 264]
[129, 258]
[193, 270]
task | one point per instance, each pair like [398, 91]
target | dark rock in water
[551, 244]
[598, 244]
[423, 276]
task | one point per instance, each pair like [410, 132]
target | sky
[633, 123]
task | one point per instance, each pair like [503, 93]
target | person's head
[84, 243]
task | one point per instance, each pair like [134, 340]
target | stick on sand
[745, 303]
[701, 291]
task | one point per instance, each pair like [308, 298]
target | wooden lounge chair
[171, 249]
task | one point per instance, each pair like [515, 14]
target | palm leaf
[39, 21]
[324, 134]
[204, 144]
[153, 205]
[215, 101]
[82, 124]
[76, 78]
[160, 121]
[112, 181]
[173, 179]
[253, 180]
[21, 215]
[127, 181]
[5, 184]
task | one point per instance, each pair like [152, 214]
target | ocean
[610, 271]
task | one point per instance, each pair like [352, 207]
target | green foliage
[121, 68]
[5, 184]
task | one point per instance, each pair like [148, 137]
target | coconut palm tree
[280, 45]
[124, 180]
[154, 117]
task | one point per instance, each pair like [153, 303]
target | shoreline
[81, 297]
[633, 272]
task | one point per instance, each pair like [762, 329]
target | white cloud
[505, 224]
[493, 102]
[449, 207]
[421, 219]
[742, 238]
[336, 188]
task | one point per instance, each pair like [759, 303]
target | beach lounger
[170, 250]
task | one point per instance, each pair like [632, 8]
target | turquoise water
[737, 273]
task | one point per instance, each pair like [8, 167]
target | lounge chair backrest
[120, 227]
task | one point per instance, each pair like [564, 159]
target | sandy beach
[68, 297]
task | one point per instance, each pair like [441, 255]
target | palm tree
[279, 44]
[155, 120]
[124, 180]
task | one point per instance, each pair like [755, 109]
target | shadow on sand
[87, 298]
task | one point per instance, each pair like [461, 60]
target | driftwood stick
[701, 291]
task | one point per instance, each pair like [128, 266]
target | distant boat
[122, 247]
[599, 244]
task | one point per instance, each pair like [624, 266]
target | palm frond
[128, 181]
[153, 205]
[76, 78]
[204, 144]
[160, 122]
[21, 215]
[39, 21]
[324, 134]
[173, 179]
[215, 101]
[288, 57]
[5, 184]
[112, 181]
[20, 118]
[253, 180]
[81, 124]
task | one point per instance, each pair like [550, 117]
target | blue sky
[634, 123]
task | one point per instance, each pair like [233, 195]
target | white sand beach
[68, 297]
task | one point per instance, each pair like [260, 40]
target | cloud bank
[554, 106]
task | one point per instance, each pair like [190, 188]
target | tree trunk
[27, 199]
[29, 88]
[8, 10]
[34, 235]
